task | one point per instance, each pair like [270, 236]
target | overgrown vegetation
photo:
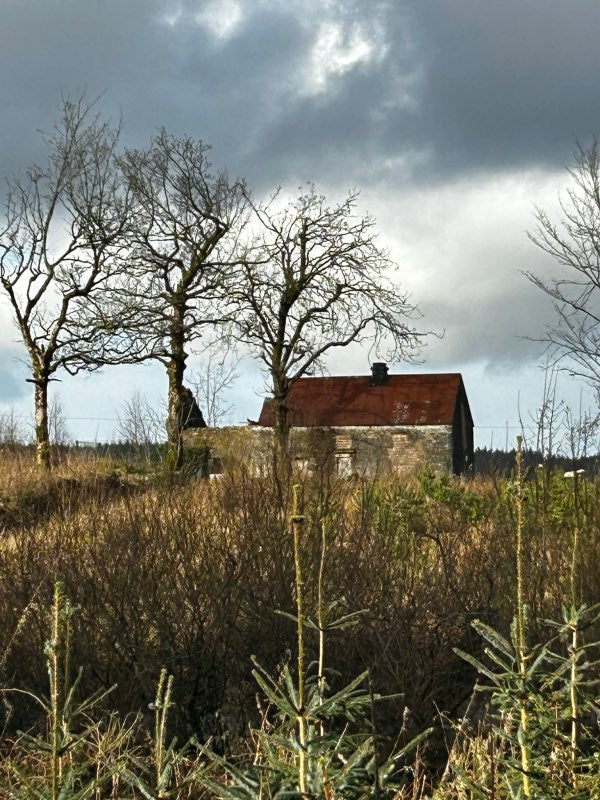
[172, 594]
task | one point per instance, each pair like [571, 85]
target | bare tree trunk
[42, 434]
[282, 458]
[281, 426]
[175, 372]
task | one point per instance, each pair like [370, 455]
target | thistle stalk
[162, 704]
[54, 677]
[573, 695]
[297, 521]
[521, 644]
[321, 620]
[574, 633]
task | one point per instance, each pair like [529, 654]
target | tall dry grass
[188, 577]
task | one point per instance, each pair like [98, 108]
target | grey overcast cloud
[454, 119]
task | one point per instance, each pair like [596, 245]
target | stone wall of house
[368, 451]
[379, 450]
[408, 448]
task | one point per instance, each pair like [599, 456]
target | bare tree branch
[314, 279]
[573, 339]
[61, 241]
[187, 222]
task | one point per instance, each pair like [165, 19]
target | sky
[454, 119]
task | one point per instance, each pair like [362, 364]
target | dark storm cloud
[491, 86]
[449, 86]
[177, 75]
[445, 92]
[507, 84]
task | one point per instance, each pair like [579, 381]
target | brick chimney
[379, 373]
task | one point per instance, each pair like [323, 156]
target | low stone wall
[367, 451]
[247, 444]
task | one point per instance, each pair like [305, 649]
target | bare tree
[186, 225]
[582, 431]
[139, 423]
[545, 430]
[210, 383]
[59, 245]
[574, 243]
[12, 429]
[57, 423]
[555, 429]
[314, 280]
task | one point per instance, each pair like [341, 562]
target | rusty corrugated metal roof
[354, 400]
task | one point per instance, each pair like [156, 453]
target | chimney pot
[379, 373]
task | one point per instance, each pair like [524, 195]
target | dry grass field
[110, 578]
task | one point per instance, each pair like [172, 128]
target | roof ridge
[390, 375]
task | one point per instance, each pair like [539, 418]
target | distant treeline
[503, 462]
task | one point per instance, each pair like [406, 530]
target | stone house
[380, 423]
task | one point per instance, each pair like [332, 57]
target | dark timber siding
[462, 435]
